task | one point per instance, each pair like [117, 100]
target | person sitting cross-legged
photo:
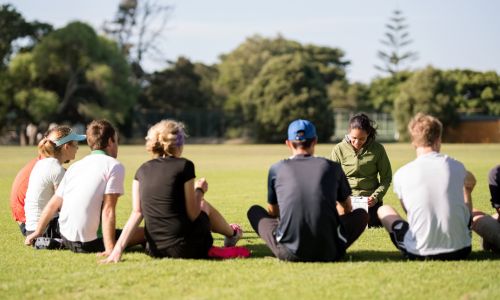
[435, 192]
[87, 196]
[178, 219]
[302, 222]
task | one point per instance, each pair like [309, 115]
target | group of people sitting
[309, 216]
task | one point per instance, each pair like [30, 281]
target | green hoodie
[362, 168]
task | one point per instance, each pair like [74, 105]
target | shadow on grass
[261, 251]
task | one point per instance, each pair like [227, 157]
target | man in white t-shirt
[435, 192]
[87, 196]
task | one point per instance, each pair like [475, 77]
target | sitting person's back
[434, 196]
[308, 215]
[431, 189]
[302, 222]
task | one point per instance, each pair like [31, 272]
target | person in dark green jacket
[365, 163]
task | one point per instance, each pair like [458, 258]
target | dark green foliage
[76, 74]
[384, 90]
[350, 97]
[176, 88]
[426, 91]
[262, 91]
[288, 87]
[13, 27]
[475, 92]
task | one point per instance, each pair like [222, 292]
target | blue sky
[447, 33]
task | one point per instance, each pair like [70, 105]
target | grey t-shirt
[306, 189]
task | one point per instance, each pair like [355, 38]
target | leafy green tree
[208, 85]
[384, 90]
[426, 91]
[475, 92]
[14, 27]
[396, 39]
[177, 88]
[351, 97]
[239, 69]
[72, 75]
[288, 87]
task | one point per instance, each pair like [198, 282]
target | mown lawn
[372, 269]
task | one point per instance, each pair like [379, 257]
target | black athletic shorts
[96, 245]
[195, 244]
[399, 229]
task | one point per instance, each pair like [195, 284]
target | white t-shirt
[46, 174]
[82, 190]
[431, 189]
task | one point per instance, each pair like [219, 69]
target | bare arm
[273, 210]
[109, 222]
[344, 207]
[48, 213]
[469, 184]
[132, 223]
[193, 198]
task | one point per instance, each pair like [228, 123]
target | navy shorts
[399, 229]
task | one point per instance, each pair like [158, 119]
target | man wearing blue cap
[302, 222]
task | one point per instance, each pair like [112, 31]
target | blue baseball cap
[300, 130]
[70, 137]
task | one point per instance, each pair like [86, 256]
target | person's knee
[363, 215]
[254, 210]
[205, 207]
[477, 215]
[383, 211]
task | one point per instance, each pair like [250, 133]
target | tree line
[72, 74]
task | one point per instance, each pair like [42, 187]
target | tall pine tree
[396, 39]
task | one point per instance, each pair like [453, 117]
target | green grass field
[372, 268]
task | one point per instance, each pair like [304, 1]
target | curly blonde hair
[165, 138]
[425, 130]
[47, 146]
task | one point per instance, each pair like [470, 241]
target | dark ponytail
[363, 122]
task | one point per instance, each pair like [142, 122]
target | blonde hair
[425, 130]
[47, 146]
[165, 138]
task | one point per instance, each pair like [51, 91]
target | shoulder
[278, 164]
[376, 147]
[113, 163]
[342, 149]
[344, 144]
[47, 164]
[405, 169]
[186, 161]
[457, 165]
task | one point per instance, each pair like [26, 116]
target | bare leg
[217, 221]
[476, 214]
[388, 216]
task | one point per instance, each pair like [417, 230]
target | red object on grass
[228, 252]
